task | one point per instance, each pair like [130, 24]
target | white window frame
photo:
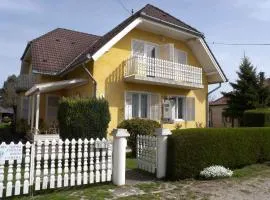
[176, 119]
[46, 107]
[145, 43]
[148, 102]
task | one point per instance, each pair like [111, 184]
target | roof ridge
[150, 5]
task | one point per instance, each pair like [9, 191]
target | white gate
[147, 153]
[53, 164]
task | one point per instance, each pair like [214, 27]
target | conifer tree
[245, 93]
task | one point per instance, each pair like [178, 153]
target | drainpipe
[93, 80]
[208, 107]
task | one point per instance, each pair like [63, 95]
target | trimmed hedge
[83, 118]
[138, 127]
[257, 118]
[192, 150]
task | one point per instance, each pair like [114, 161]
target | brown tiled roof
[61, 50]
[54, 51]
[221, 101]
[149, 11]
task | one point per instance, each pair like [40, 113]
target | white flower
[216, 171]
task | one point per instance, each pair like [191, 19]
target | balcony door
[151, 53]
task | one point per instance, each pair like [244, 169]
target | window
[139, 105]
[179, 108]
[180, 56]
[142, 105]
[52, 108]
[143, 48]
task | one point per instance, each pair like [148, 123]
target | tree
[9, 95]
[264, 91]
[248, 92]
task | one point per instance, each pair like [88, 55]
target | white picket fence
[147, 153]
[55, 164]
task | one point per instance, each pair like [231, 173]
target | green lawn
[184, 189]
[131, 163]
[4, 125]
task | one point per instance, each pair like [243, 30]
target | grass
[4, 125]
[131, 163]
[252, 170]
[95, 192]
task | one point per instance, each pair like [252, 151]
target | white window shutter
[190, 109]
[137, 48]
[155, 107]
[128, 105]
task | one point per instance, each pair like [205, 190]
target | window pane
[144, 106]
[180, 108]
[135, 105]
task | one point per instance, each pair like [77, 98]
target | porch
[49, 129]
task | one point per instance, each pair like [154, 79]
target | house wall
[108, 71]
[216, 118]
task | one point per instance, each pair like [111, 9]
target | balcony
[156, 71]
[25, 82]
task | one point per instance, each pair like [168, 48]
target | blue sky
[231, 21]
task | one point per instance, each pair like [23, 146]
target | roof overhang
[194, 40]
[54, 86]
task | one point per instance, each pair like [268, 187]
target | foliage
[7, 134]
[257, 118]
[215, 171]
[138, 127]
[22, 126]
[249, 92]
[191, 150]
[83, 118]
[6, 119]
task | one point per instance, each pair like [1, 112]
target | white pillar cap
[120, 133]
[162, 132]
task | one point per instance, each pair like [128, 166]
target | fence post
[119, 156]
[162, 137]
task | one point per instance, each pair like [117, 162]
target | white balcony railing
[163, 71]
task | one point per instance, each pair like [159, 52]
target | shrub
[138, 127]
[191, 150]
[216, 171]
[257, 118]
[83, 118]
[6, 119]
[22, 126]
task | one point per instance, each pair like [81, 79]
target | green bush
[138, 127]
[192, 150]
[6, 119]
[22, 127]
[83, 118]
[257, 118]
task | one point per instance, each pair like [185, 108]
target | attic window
[164, 15]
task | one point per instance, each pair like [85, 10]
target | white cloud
[18, 6]
[258, 9]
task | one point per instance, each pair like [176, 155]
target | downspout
[92, 78]
[208, 107]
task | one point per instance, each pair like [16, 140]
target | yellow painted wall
[109, 70]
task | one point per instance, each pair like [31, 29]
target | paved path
[134, 176]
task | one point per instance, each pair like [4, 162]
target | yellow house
[152, 65]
